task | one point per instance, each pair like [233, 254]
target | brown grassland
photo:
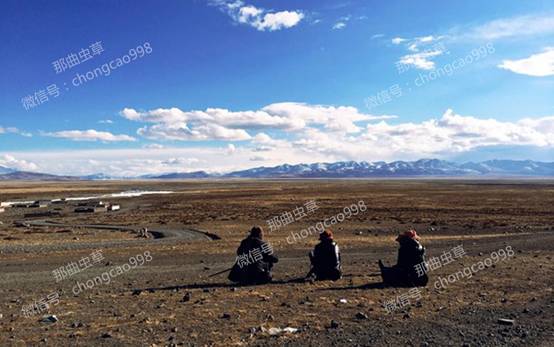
[148, 305]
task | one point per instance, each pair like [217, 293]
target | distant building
[40, 203]
[114, 207]
[90, 209]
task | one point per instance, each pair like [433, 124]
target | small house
[114, 207]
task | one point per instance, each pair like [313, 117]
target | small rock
[334, 324]
[187, 297]
[106, 335]
[505, 321]
[225, 316]
[49, 319]
[361, 315]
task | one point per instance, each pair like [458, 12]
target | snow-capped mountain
[341, 169]
[5, 170]
[422, 167]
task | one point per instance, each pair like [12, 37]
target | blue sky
[222, 85]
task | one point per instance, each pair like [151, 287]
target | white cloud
[222, 124]
[105, 121]
[17, 164]
[423, 49]
[538, 65]
[520, 26]
[421, 60]
[339, 25]
[341, 22]
[397, 40]
[325, 133]
[153, 146]
[259, 18]
[90, 135]
[453, 133]
[231, 149]
[180, 161]
[13, 130]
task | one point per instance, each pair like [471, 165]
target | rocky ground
[171, 300]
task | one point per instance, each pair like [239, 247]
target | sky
[129, 88]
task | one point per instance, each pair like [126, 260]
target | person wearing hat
[255, 260]
[325, 259]
[410, 256]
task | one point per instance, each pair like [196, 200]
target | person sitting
[255, 260]
[410, 256]
[325, 259]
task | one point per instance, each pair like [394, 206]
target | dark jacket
[326, 261]
[410, 254]
[254, 270]
[404, 273]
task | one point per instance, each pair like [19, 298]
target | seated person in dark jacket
[410, 257]
[325, 258]
[255, 260]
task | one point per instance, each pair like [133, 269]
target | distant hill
[35, 176]
[5, 170]
[341, 169]
[422, 167]
[183, 175]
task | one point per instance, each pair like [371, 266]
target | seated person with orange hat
[410, 254]
[325, 259]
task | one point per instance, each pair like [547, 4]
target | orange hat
[326, 235]
[411, 234]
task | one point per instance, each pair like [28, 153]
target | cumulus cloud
[444, 136]
[90, 135]
[11, 162]
[447, 135]
[259, 18]
[537, 65]
[222, 124]
[339, 25]
[454, 133]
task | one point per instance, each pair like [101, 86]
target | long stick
[220, 272]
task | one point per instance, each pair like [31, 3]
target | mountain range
[342, 169]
